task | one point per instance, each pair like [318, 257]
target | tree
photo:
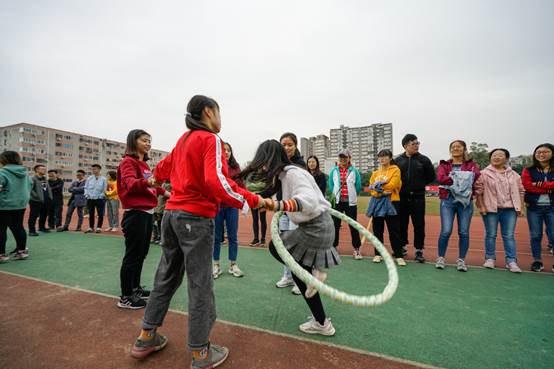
[479, 153]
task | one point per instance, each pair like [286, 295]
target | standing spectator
[112, 200]
[197, 170]
[319, 176]
[55, 211]
[230, 217]
[289, 141]
[76, 201]
[14, 197]
[456, 177]
[345, 184]
[385, 184]
[500, 200]
[41, 200]
[139, 197]
[95, 188]
[417, 172]
[159, 212]
[538, 181]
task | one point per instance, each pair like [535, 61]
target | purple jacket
[443, 175]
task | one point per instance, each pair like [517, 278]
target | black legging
[261, 215]
[12, 219]
[314, 303]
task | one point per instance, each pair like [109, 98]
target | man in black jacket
[56, 208]
[417, 172]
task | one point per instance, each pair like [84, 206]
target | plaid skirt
[311, 244]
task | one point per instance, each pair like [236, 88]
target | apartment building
[318, 146]
[63, 150]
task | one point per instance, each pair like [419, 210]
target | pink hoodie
[499, 190]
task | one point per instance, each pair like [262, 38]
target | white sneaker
[114, 229]
[377, 259]
[108, 229]
[400, 262]
[313, 327]
[512, 267]
[489, 263]
[320, 276]
[216, 271]
[440, 263]
[461, 265]
[357, 254]
[295, 290]
[235, 271]
[284, 282]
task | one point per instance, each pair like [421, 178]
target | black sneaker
[537, 266]
[419, 256]
[44, 230]
[142, 293]
[62, 229]
[131, 302]
[254, 242]
[33, 234]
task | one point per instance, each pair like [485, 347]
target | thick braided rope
[362, 301]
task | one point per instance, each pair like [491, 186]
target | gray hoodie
[38, 184]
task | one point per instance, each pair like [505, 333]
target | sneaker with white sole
[143, 348]
[235, 271]
[215, 356]
[400, 262]
[295, 290]
[358, 254]
[131, 302]
[4, 258]
[216, 271]
[489, 264]
[313, 327]
[461, 265]
[320, 276]
[284, 282]
[377, 259]
[513, 267]
[440, 263]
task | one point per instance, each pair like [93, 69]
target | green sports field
[480, 319]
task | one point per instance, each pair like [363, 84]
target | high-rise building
[65, 151]
[318, 146]
[363, 142]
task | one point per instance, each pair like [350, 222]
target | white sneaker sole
[321, 333]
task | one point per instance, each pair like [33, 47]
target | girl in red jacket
[139, 196]
[200, 183]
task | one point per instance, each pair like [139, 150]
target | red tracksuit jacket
[197, 170]
[132, 185]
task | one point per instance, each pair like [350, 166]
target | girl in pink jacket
[500, 198]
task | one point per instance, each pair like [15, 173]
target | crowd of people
[194, 196]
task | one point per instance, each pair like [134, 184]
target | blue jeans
[536, 216]
[507, 218]
[448, 210]
[231, 218]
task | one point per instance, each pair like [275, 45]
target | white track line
[285, 335]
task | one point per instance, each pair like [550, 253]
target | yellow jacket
[111, 192]
[392, 178]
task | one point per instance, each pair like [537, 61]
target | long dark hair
[271, 155]
[131, 148]
[195, 107]
[292, 136]
[537, 164]
[387, 152]
[232, 162]
[317, 170]
[10, 157]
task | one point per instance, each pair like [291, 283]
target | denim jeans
[231, 218]
[507, 218]
[448, 210]
[536, 216]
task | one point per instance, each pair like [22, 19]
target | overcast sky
[474, 70]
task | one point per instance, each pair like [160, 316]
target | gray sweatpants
[187, 246]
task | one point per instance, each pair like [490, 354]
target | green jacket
[14, 187]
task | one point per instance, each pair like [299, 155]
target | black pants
[352, 212]
[12, 219]
[414, 207]
[314, 303]
[260, 216]
[55, 215]
[393, 226]
[69, 215]
[137, 229]
[96, 205]
[38, 211]
[157, 226]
